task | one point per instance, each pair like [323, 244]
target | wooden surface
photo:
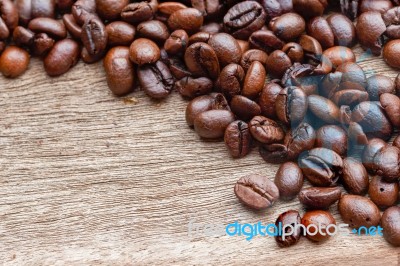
[88, 177]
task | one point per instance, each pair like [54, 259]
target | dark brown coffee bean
[252, 55]
[309, 9]
[14, 61]
[391, 104]
[120, 33]
[119, 70]
[391, 19]
[312, 49]
[267, 99]
[144, 51]
[289, 180]
[345, 115]
[238, 139]
[355, 176]
[319, 197]
[50, 26]
[212, 28]
[358, 211]
[288, 26]
[299, 139]
[274, 153]
[201, 60]
[154, 30]
[231, 80]
[94, 36]
[304, 76]
[244, 18]
[287, 218]
[386, 163]
[343, 30]
[139, 11]
[265, 40]
[30, 9]
[42, 44]
[371, 116]
[379, 84]
[244, 108]
[193, 87]
[390, 52]
[62, 57]
[8, 18]
[391, 226]
[212, 124]
[370, 150]
[294, 51]
[353, 77]
[23, 36]
[324, 109]
[257, 192]
[72, 26]
[155, 79]
[266, 130]
[277, 63]
[356, 135]
[89, 58]
[110, 9]
[188, 19]
[178, 68]
[380, 6]
[226, 47]
[320, 29]
[199, 37]
[382, 193]
[254, 80]
[275, 8]
[165, 10]
[370, 29]
[291, 105]
[176, 42]
[83, 10]
[339, 55]
[318, 223]
[332, 137]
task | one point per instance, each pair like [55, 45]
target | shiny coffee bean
[309, 9]
[324, 109]
[391, 104]
[277, 63]
[238, 139]
[212, 28]
[14, 61]
[294, 51]
[291, 105]
[311, 47]
[266, 41]
[41, 44]
[94, 36]
[267, 99]
[345, 115]
[338, 55]
[199, 37]
[319, 28]
[154, 30]
[370, 150]
[265, 130]
[254, 80]
[252, 55]
[391, 19]
[72, 26]
[256, 191]
[166, 9]
[332, 137]
[226, 47]
[178, 68]
[391, 226]
[231, 80]
[8, 18]
[319, 197]
[23, 36]
[380, 6]
[289, 180]
[382, 193]
[209, 8]
[244, 108]
[379, 84]
[89, 58]
[52, 27]
[110, 9]
[386, 163]
[137, 12]
[299, 139]
[390, 52]
[119, 70]
[318, 222]
[274, 153]
[62, 57]
[188, 19]
[370, 29]
[355, 177]
[120, 33]
[356, 135]
[30, 9]
[176, 42]
[83, 10]
[212, 124]
[287, 218]
[155, 79]
[244, 18]
[201, 60]
[275, 8]
[288, 26]
[190, 87]
[144, 51]
[304, 76]
[358, 211]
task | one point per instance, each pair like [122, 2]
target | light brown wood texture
[89, 178]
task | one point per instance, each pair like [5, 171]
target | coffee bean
[277, 63]
[252, 55]
[391, 104]
[266, 130]
[53, 27]
[311, 47]
[166, 9]
[155, 79]
[267, 99]
[391, 19]
[209, 8]
[212, 124]
[274, 153]
[256, 191]
[199, 37]
[226, 47]
[304, 76]
[201, 60]
[62, 57]
[343, 30]
[358, 211]
[324, 109]
[14, 61]
[386, 163]
[288, 26]
[299, 139]
[339, 55]
[119, 70]
[238, 139]
[144, 51]
[332, 137]
[345, 115]
[254, 80]
[231, 80]
[244, 108]
[370, 150]
[349, 8]
[110, 9]
[23, 36]
[294, 51]
[319, 197]
[287, 218]
[318, 223]
[34, 9]
[309, 9]
[289, 180]
[291, 105]
[82, 10]
[356, 135]
[41, 44]
[139, 11]
[212, 28]
[176, 42]
[380, 6]
[193, 87]
[266, 41]
[379, 84]
[390, 225]
[94, 36]
[355, 176]
[120, 33]
[370, 29]
[8, 18]
[72, 26]
[276, 8]
[382, 193]
[188, 19]
[319, 28]
[390, 51]
[154, 30]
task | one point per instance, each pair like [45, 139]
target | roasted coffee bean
[321, 166]
[391, 227]
[8, 18]
[309, 9]
[199, 37]
[252, 55]
[319, 197]
[144, 51]
[244, 18]
[238, 139]
[391, 104]
[82, 10]
[212, 28]
[274, 153]
[371, 116]
[382, 193]
[50, 26]
[379, 84]
[275, 8]
[324, 109]
[386, 163]
[391, 19]
[267, 99]
[338, 55]
[154, 30]
[332, 137]
[380, 6]
[209, 8]
[303, 76]
[89, 58]
[349, 8]
[287, 218]
[139, 11]
[155, 79]
[294, 51]
[350, 97]
[176, 42]
[390, 52]
[201, 60]
[244, 108]
[254, 80]
[370, 150]
[231, 80]
[311, 47]
[370, 29]
[226, 47]
[205, 103]
[256, 191]
[265, 40]
[120, 33]
[212, 124]
[23, 36]
[110, 9]
[356, 135]
[94, 36]
[119, 70]
[289, 180]
[288, 26]
[188, 19]
[30, 9]
[320, 29]
[193, 87]
[72, 26]
[62, 57]
[345, 115]
[178, 68]
[265, 130]
[291, 105]
[277, 63]
[353, 77]
[14, 61]
[358, 211]
[42, 44]
[355, 176]
[299, 139]
[319, 224]
[165, 10]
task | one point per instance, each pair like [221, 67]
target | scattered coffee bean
[14, 61]
[391, 226]
[318, 223]
[287, 218]
[289, 180]
[319, 197]
[238, 139]
[358, 211]
[266, 130]
[355, 177]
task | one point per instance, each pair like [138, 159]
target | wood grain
[88, 178]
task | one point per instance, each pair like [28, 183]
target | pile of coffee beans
[279, 75]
